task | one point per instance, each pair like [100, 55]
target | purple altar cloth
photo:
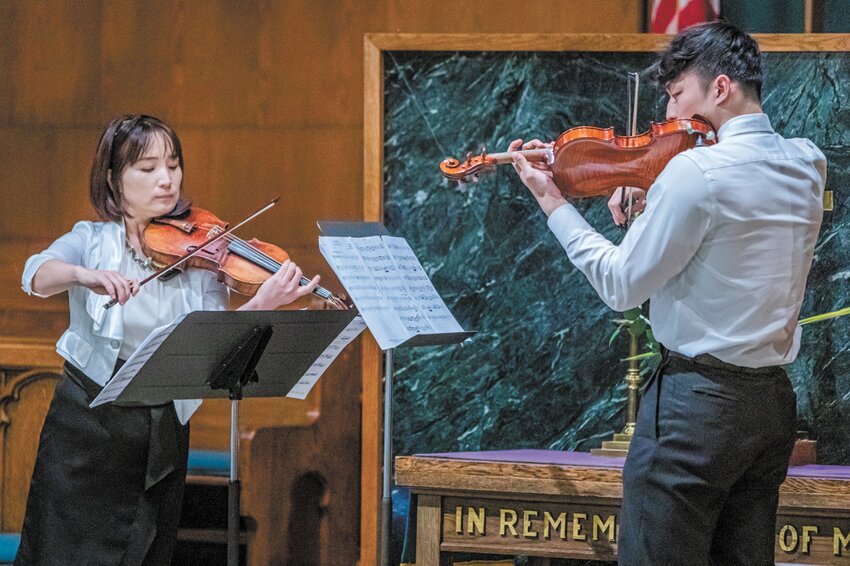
[558, 457]
[585, 459]
[820, 472]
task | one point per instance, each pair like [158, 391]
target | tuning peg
[710, 135]
[475, 178]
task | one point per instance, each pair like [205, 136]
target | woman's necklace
[146, 263]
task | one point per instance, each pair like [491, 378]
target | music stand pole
[386, 501]
[233, 487]
[237, 370]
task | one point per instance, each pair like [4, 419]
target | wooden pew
[301, 484]
[30, 370]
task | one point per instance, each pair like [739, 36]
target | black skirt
[107, 487]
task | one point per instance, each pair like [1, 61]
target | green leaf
[614, 335]
[644, 356]
[825, 316]
[632, 314]
[638, 327]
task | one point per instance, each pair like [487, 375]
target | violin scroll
[468, 170]
[475, 165]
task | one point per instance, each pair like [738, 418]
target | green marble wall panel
[782, 16]
[836, 16]
[540, 372]
[765, 16]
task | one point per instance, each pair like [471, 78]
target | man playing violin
[723, 249]
[108, 482]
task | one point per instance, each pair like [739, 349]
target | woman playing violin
[108, 482]
[722, 249]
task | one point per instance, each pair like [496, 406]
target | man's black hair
[709, 50]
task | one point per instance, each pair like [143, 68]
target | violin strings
[265, 261]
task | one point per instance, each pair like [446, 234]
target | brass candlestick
[619, 446]
[633, 382]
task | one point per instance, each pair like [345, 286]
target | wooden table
[546, 503]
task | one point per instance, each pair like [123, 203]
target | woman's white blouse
[156, 304]
[96, 336]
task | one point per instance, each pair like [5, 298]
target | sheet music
[135, 362]
[389, 287]
[312, 375]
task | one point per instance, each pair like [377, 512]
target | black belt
[709, 361]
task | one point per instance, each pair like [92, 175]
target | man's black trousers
[710, 449]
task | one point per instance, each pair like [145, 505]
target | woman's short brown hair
[125, 140]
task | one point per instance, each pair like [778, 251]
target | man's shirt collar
[745, 124]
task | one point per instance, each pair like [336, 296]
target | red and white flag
[672, 16]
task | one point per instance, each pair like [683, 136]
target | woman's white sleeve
[68, 248]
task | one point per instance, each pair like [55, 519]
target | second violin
[588, 161]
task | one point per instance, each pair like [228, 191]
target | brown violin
[242, 265]
[588, 161]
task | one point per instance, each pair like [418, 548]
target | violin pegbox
[469, 169]
[705, 133]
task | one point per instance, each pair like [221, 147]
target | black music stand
[235, 354]
[364, 230]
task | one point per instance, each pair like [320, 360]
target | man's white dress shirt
[723, 248]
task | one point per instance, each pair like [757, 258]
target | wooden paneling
[51, 68]
[45, 185]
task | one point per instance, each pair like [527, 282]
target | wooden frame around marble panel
[373, 190]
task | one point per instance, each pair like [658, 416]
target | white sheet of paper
[135, 362]
[312, 375]
[389, 286]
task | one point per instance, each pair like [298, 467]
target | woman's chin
[163, 206]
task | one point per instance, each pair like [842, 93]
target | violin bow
[197, 250]
[631, 129]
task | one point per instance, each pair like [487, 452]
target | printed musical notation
[134, 363]
[389, 286]
[326, 358]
